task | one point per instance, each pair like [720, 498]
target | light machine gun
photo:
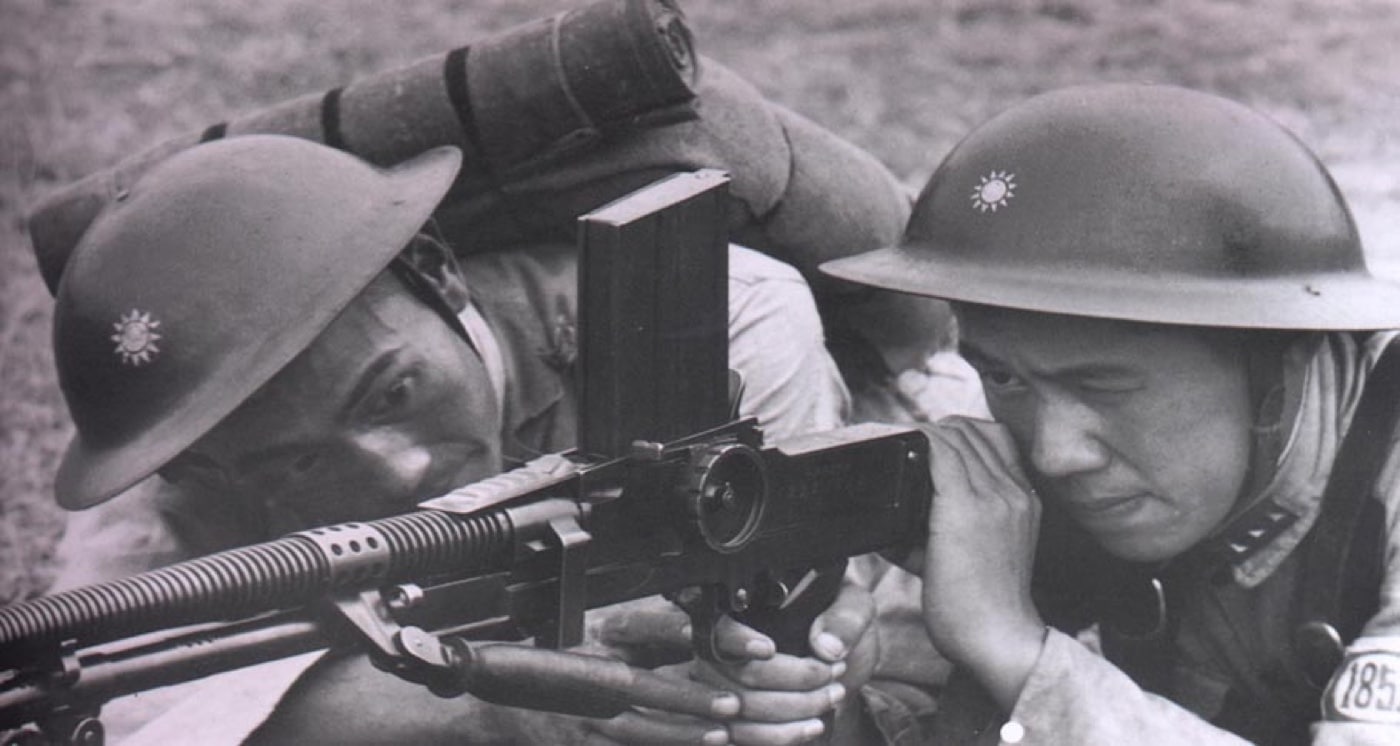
[667, 493]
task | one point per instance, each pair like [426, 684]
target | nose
[1067, 438]
[394, 466]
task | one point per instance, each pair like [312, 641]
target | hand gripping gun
[667, 493]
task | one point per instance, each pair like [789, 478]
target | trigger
[702, 605]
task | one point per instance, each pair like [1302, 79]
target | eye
[995, 379]
[395, 398]
[304, 464]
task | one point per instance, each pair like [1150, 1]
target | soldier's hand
[781, 698]
[983, 526]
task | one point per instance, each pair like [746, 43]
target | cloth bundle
[558, 117]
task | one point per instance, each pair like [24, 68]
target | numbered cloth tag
[1366, 688]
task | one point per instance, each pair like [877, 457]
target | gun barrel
[289, 572]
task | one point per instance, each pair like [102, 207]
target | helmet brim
[90, 474]
[1340, 301]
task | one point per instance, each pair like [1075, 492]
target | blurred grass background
[83, 83]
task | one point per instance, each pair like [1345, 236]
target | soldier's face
[388, 407]
[1142, 433]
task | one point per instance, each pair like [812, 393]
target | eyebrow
[368, 377]
[977, 357]
[363, 384]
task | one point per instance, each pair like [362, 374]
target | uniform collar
[488, 348]
[535, 356]
[1324, 377]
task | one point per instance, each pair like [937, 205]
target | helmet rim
[1324, 301]
[94, 470]
[1140, 202]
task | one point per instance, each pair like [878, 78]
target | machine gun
[667, 493]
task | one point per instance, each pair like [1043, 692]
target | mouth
[1109, 507]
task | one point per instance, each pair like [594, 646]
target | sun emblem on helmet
[994, 191]
[136, 337]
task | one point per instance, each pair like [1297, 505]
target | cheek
[464, 405]
[1198, 452]
[460, 402]
[1017, 414]
[461, 420]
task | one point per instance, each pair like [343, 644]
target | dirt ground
[83, 83]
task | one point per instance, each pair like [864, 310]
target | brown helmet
[1137, 202]
[217, 268]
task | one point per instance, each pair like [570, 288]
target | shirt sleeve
[1075, 696]
[1361, 704]
[152, 525]
[123, 536]
[791, 384]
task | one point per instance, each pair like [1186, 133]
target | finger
[589, 685]
[651, 621]
[644, 728]
[995, 447]
[838, 629]
[1004, 479]
[987, 476]
[776, 734]
[779, 706]
[781, 672]
[735, 640]
[648, 635]
[946, 462]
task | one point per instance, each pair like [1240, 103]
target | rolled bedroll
[555, 118]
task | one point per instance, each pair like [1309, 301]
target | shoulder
[541, 268]
[748, 267]
[765, 291]
[529, 294]
[151, 525]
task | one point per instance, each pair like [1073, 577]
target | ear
[438, 266]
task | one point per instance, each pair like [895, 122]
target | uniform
[529, 299]
[1089, 239]
[1235, 637]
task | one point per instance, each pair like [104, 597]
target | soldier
[1193, 448]
[261, 335]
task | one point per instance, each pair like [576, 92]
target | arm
[791, 384]
[343, 699]
[983, 526]
[982, 531]
[123, 536]
[1074, 696]
[1373, 717]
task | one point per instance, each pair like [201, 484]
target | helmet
[207, 277]
[1137, 202]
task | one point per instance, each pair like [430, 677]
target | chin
[1146, 550]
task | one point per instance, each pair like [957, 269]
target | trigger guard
[704, 613]
[702, 638]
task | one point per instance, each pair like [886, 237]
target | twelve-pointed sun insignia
[136, 337]
[994, 191]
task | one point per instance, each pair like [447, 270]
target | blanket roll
[514, 101]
